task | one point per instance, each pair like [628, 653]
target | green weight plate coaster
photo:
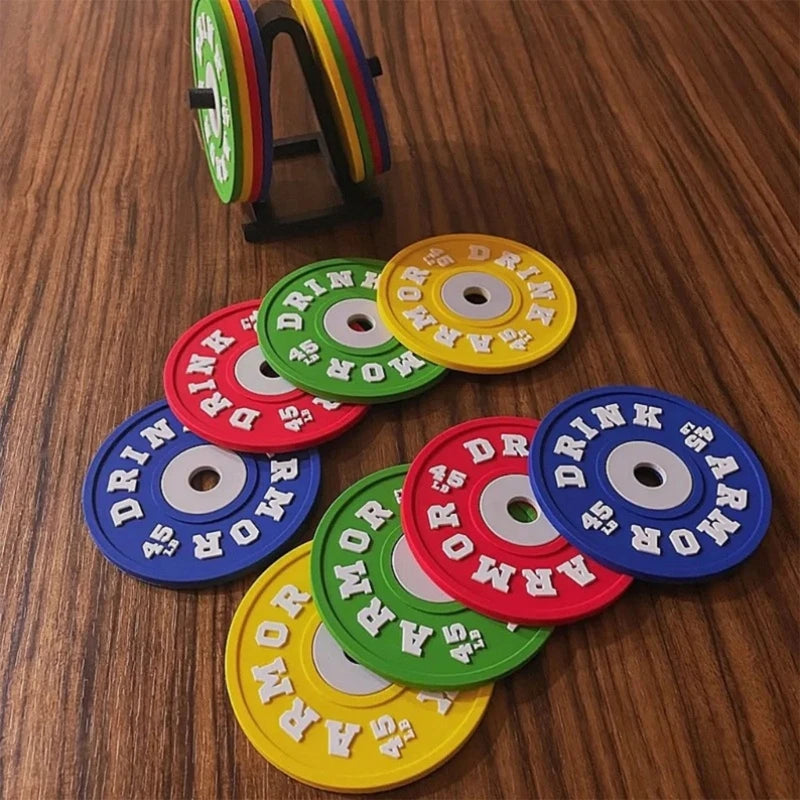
[387, 614]
[319, 328]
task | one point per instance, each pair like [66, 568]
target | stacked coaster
[350, 85]
[228, 58]
[317, 715]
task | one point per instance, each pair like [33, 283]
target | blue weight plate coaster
[649, 484]
[151, 517]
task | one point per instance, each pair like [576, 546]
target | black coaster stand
[358, 199]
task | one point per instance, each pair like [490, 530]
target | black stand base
[358, 201]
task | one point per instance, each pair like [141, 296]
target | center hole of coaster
[360, 322]
[648, 475]
[509, 511]
[338, 670]
[411, 576]
[355, 322]
[256, 375]
[521, 510]
[266, 370]
[204, 479]
[476, 295]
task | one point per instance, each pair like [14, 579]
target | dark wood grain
[650, 148]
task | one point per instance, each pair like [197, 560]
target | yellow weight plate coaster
[245, 186]
[317, 715]
[477, 303]
[337, 93]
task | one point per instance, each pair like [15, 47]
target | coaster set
[364, 659]
[349, 85]
[231, 60]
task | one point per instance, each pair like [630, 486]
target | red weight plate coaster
[255, 99]
[358, 82]
[215, 387]
[456, 511]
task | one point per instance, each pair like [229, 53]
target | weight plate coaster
[315, 714]
[385, 612]
[650, 484]
[219, 385]
[477, 303]
[169, 508]
[472, 522]
[319, 328]
[212, 65]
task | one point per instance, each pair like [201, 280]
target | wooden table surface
[649, 148]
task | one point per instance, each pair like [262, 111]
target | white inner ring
[336, 324]
[411, 577]
[493, 506]
[337, 671]
[677, 479]
[181, 495]
[247, 372]
[498, 295]
[213, 114]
